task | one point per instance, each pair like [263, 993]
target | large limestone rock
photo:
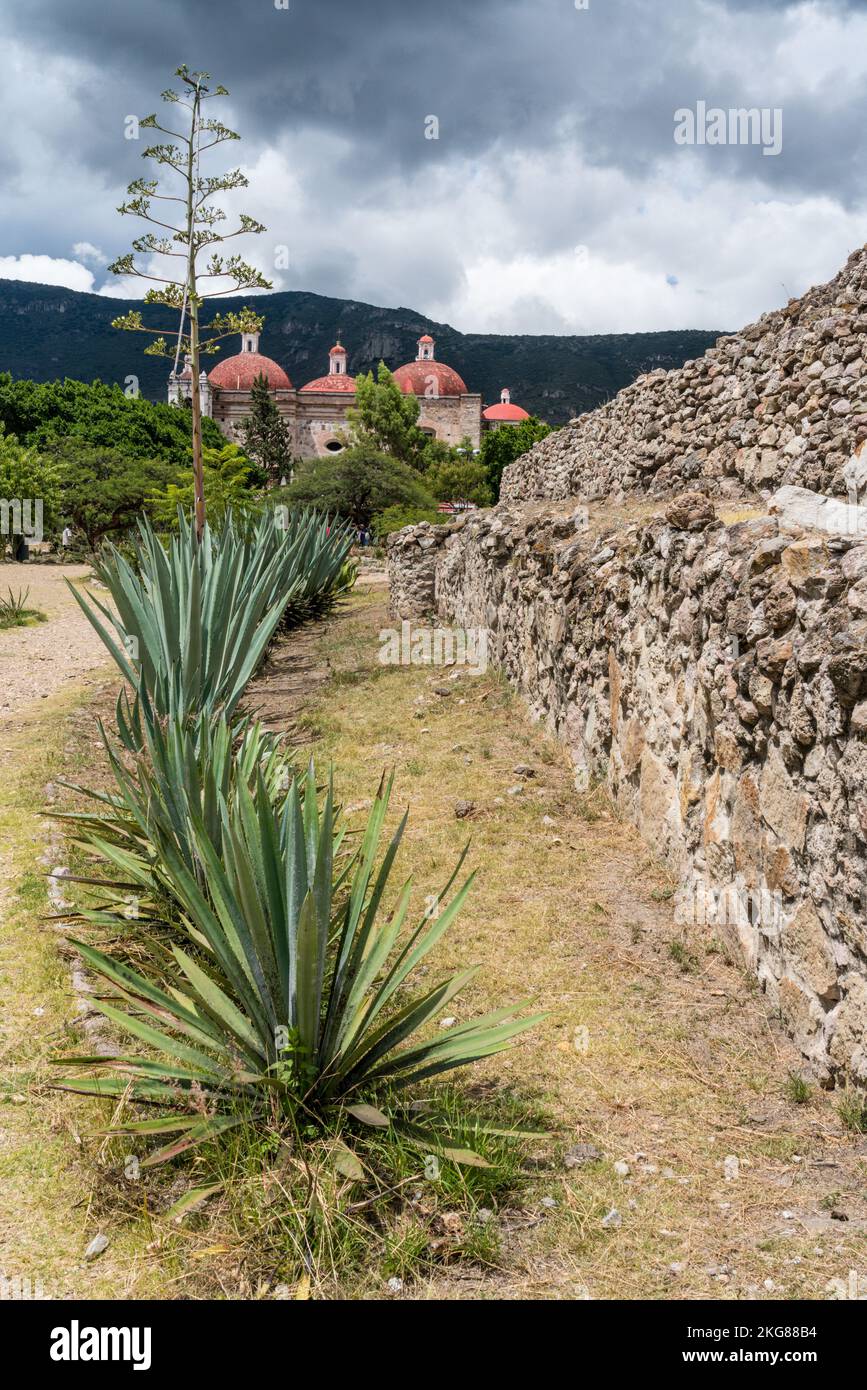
[782, 806]
[799, 506]
[808, 950]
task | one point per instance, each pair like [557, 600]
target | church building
[316, 413]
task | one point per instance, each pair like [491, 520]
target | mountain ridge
[49, 332]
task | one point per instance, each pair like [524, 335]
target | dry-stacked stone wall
[716, 678]
[713, 673]
[784, 401]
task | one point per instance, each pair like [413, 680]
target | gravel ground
[39, 661]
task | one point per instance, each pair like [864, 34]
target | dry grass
[605, 518]
[684, 1066]
[53, 1186]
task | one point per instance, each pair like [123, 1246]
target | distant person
[66, 538]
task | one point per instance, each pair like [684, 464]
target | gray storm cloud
[555, 128]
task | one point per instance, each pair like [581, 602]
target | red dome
[239, 372]
[513, 413]
[335, 381]
[418, 377]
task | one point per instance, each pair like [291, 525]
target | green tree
[358, 483]
[29, 488]
[267, 437]
[188, 238]
[43, 413]
[501, 447]
[102, 490]
[386, 418]
[229, 483]
[460, 479]
[437, 452]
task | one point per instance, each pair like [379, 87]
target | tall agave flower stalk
[192, 620]
[294, 994]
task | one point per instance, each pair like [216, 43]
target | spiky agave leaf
[294, 994]
[194, 763]
[191, 620]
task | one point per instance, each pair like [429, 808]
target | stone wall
[715, 676]
[784, 401]
[454, 418]
[412, 560]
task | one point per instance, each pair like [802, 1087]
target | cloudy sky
[555, 199]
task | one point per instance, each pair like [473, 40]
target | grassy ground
[14, 611]
[54, 1172]
[658, 1066]
[659, 1053]
[21, 617]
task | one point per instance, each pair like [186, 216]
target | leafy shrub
[460, 480]
[395, 518]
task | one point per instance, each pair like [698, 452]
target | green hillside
[48, 333]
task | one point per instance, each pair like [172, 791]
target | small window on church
[334, 446]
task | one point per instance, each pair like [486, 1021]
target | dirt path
[53, 1188]
[299, 665]
[39, 661]
[660, 1055]
[58, 1190]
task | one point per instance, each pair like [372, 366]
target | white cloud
[734, 254]
[483, 233]
[47, 270]
[734, 249]
[811, 50]
[86, 251]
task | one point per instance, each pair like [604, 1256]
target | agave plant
[313, 542]
[13, 609]
[197, 765]
[293, 997]
[193, 619]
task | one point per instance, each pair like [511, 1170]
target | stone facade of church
[317, 413]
